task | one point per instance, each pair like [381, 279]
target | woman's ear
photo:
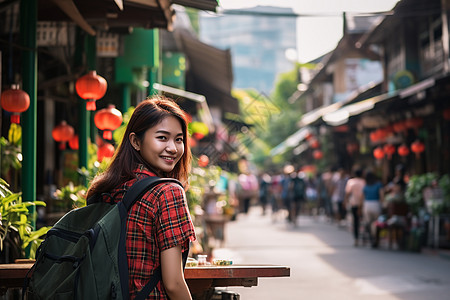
[134, 141]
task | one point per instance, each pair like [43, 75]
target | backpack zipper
[65, 234]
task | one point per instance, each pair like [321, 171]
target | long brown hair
[147, 114]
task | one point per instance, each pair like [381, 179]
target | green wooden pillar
[152, 78]
[91, 61]
[85, 45]
[126, 98]
[28, 24]
[154, 68]
[83, 124]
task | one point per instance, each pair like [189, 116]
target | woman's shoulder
[168, 187]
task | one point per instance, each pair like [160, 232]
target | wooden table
[201, 280]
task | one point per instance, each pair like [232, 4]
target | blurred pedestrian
[398, 181]
[248, 190]
[372, 203]
[311, 194]
[339, 181]
[298, 196]
[264, 191]
[354, 199]
[275, 195]
[286, 188]
[323, 198]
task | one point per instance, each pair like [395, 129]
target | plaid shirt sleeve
[173, 222]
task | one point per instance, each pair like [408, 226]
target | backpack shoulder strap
[137, 190]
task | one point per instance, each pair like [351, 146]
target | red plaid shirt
[159, 221]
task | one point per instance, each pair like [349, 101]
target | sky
[318, 34]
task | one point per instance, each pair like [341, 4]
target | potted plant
[16, 233]
[414, 194]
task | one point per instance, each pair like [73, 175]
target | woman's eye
[161, 137]
[180, 140]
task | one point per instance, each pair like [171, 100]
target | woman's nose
[171, 147]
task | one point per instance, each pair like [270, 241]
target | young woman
[159, 227]
[354, 198]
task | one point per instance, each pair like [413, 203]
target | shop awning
[364, 92]
[110, 14]
[116, 14]
[317, 113]
[291, 142]
[341, 116]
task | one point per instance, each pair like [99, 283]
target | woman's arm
[173, 275]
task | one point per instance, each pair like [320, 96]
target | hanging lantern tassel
[62, 133]
[15, 101]
[91, 87]
[108, 119]
[417, 147]
[403, 150]
[74, 142]
[107, 150]
[389, 149]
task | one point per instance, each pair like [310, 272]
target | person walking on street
[339, 181]
[264, 191]
[248, 190]
[372, 203]
[286, 188]
[159, 226]
[298, 195]
[354, 199]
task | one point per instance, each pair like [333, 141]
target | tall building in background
[260, 40]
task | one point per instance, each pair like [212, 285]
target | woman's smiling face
[162, 145]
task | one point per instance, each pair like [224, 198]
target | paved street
[325, 265]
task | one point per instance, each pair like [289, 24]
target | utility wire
[244, 12]
[249, 12]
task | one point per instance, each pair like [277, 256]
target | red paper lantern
[403, 150]
[379, 135]
[62, 133]
[107, 150]
[399, 126]
[203, 160]
[417, 147]
[414, 123]
[352, 148]
[317, 154]
[74, 143]
[374, 137]
[108, 119]
[91, 87]
[378, 153]
[389, 149]
[16, 101]
[314, 143]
